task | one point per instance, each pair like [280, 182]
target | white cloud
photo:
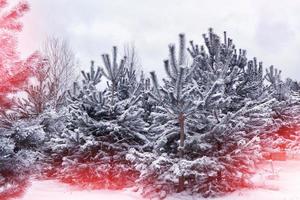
[267, 29]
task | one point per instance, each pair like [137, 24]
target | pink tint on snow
[285, 186]
[53, 190]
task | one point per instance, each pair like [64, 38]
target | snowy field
[53, 190]
[285, 186]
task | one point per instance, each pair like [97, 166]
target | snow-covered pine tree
[224, 109]
[171, 120]
[102, 126]
[286, 113]
[15, 158]
[12, 176]
[19, 153]
[236, 113]
[175, 99]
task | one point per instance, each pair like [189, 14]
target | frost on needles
[203, 128]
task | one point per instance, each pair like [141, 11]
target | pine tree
[17, 138]
[14, 72]
[172, 116]
[19, 147]
[219, 107]
[175, 100]
[286, 111]
[238, 113]
[102, 126]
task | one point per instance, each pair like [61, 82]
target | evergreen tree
[17, 138]
[102, 126]
[14, 72]
[202, 129]
[207, 121]
[19, 153]
[285, 113]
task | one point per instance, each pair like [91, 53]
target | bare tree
[52, 79]
[60, 63]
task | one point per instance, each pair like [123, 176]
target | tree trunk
[181, 119]
[113, 94]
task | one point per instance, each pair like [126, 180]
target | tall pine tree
[208, 118]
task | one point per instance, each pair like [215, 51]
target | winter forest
[203, 128]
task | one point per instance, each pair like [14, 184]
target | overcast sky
[269, 30]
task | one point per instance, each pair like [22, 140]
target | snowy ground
[53, 190]
[285, 186]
